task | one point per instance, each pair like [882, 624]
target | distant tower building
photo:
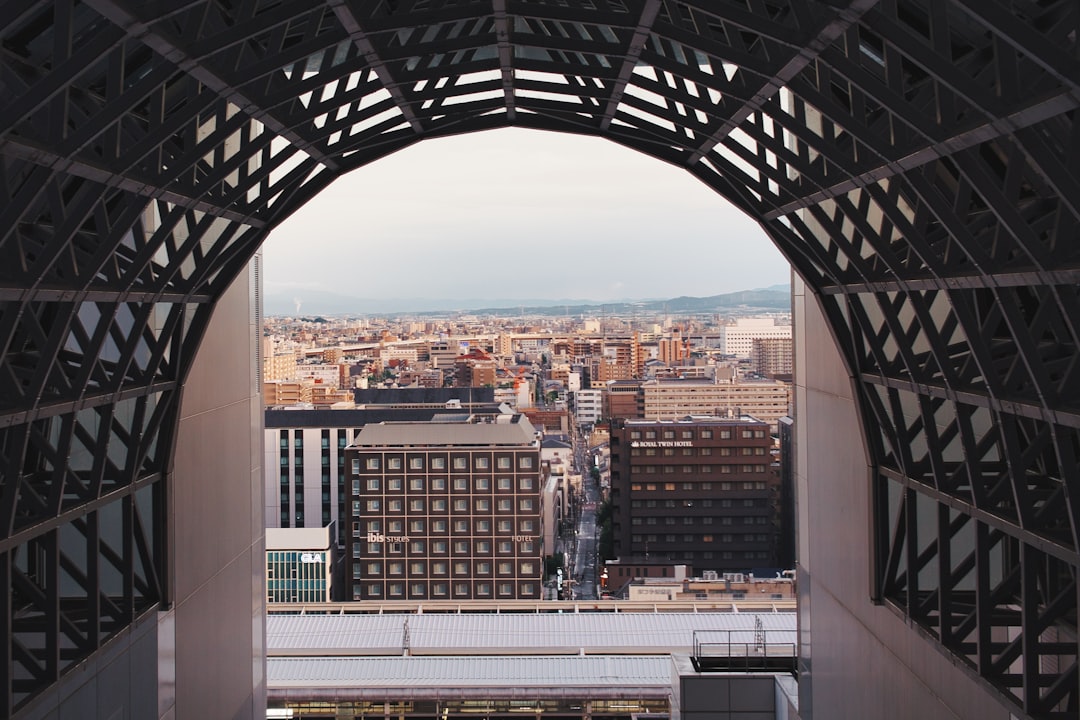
[622, 399]
[771, 356]
[475, 372]
[279, 366]
[504, 345]
[737, 339]
[672, 350]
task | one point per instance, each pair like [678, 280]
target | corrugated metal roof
[533, 634]
[625, 671]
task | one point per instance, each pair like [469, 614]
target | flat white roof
[298, 538]
[375, 676]
[536, 634]
[466, 434]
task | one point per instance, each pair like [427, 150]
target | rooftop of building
[281, 416]
[696, 420]
[508, 430]
[299, 538]
[422, 396]
[645, 674]
[699, 382]
[535, 634]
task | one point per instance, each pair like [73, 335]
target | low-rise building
[300, 565]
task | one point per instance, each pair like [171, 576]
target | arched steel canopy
[918, 161]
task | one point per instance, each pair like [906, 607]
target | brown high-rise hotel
[445, 511]
[699, 491]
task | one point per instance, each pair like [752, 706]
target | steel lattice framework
[918, 161]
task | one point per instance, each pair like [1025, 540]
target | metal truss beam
[506, 56]
[916, 161]
[833, 29]
[140, 30]
[633, 55]
[128, 181]
[378, 66]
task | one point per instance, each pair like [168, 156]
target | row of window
[458, 462]
[724, 555]
[439, 547]
[724, 538]
[481, 505]
[441, 589]
[374, 569]
[744, 485]
[417, 484]
[746, 520]
[703, 433]
[460, 525]
[723, 452]
[705, 503]
[699, 469]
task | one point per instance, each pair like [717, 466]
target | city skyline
[564, 219]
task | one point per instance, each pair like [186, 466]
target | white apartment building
[397, 352]
[588, 406]
[323, 374]
[738, 339]
[766, 400]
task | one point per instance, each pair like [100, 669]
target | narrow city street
[584, 545]
[585, 552]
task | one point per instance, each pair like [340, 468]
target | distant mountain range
[316, 302]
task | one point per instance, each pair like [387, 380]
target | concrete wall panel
[217, 534]
[866, 662]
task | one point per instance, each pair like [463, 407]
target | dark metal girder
[352, 26]
[991, 129]
[122, 180]
[832, 30]
[506, 55]
[136, 28]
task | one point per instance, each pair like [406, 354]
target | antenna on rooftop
[405, 638]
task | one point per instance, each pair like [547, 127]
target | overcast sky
[520, 214]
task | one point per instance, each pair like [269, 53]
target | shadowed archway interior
[917, 161]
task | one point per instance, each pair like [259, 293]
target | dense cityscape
[486, 457]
